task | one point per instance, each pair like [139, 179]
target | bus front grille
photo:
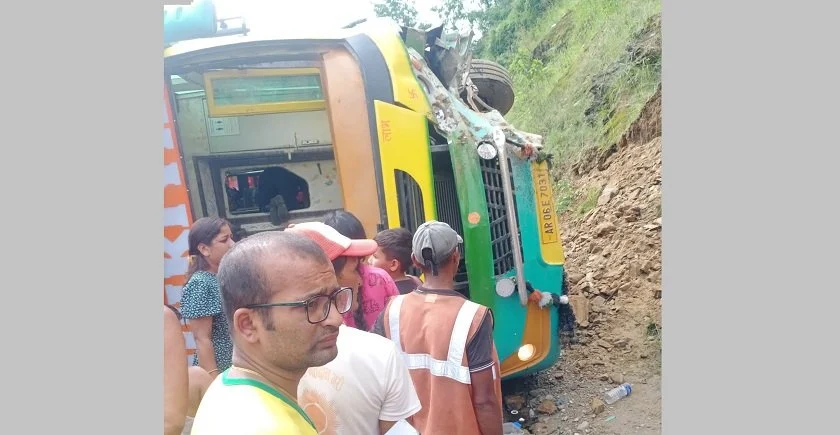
[449, 212]
[500, 233]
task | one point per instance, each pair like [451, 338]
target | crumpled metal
[461, 124]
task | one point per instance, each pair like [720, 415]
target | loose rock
[613, 265]
[597, 406]
[604, 344]
[604, 229]
[538, 392]
[547, 407]
[606, 195]
[515, 402]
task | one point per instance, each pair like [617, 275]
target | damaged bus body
[393, 125]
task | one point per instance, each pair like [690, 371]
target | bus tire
[494, 84]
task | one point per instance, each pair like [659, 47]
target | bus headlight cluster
[526, 352]
[487, 151]
[505, 287]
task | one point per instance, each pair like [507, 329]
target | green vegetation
[582, 69]
[403, 12]
[653, 330]
[654, 333]
[589, 201]
[565, 193]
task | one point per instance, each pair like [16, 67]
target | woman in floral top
[210, 238]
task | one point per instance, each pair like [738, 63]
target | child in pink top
[377, 288]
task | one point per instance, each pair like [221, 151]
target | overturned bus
[394, 125]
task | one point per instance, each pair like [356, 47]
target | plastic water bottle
[513, 428]
[617, 393]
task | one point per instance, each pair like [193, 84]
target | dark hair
[430, 267]
[238, 232]
[203, 231]
[348, 225]
[396, 244]
[242, 278]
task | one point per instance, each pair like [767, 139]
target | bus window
[252, 191]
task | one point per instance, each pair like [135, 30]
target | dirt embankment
[614, 251]
[613, 260]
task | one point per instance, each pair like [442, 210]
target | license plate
[546, 212]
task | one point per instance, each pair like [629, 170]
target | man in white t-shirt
[365, 390]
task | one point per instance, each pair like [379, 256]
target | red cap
[332, 242]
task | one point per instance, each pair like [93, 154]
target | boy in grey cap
[447, 342]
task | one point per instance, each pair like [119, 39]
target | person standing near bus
[343, 238]
[284, 306]
[175, 374]
[201, 303]
[447, 341]
[365, 390]
[394, 257]
[183, 386]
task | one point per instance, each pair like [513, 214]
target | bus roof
[325, 35]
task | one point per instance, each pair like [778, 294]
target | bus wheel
[494, 85]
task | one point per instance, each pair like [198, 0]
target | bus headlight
[505, 287]
[526, 352]
[487, 151]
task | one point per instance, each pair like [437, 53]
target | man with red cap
[366, 389]
[372, 286]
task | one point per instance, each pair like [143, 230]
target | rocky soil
[613, 260]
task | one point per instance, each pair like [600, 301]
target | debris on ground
[613, 259]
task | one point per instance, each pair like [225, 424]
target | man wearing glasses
[367, 388]
[284, 307]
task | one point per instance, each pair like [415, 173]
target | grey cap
[439, 239]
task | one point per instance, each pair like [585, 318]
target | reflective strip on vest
[458, 342]
[451, 367]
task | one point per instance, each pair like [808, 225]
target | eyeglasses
[318, 307]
